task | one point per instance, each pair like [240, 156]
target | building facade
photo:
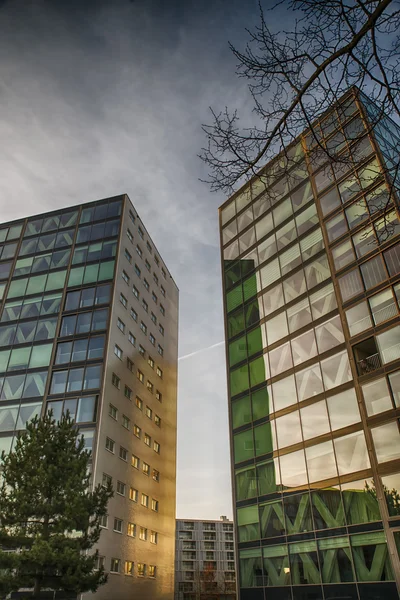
[205, 560]
[311, 268]
[89, 324]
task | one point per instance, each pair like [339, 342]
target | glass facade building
[311, 270]
[88, 324]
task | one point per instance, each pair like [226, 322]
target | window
[104, 521]
[128, 392]
[154, 505]
[156, 475]
[163, 273]
[158, 395]
[156, 260]
[159, 372]
[148, 266]
[154, 297]
[152, 339]
[161, 329]
[150, 361]
[149, 412]
[100, 563]
[126, 422]
[107, 480]
[162, 310]
[115, 565]
[123, 454]
[141, 569]
[131, 530]
[128, 255]
[137, 431]
[149, 248]
[139, 250]
[152, 571]
[133, 494]
[128, 569]
[145, 305]
[143, 327]
[135, 292]
[145, 502]
[135, 461]
[150, 386]
[146, 468]
[121, 325]
[130, 236]
[139, 403]
[155, 278]
[140, 376]
[147, 286]
[154, 318]
[110, 445]
[125, 277]
[137, 271]
[112, 411]
[131, 338]
[121, 488]
[143, 534]
[132, 216]
[133, 314]
[156, 447]
[160, 350]
[157, 420]
[162, 291]
[129, 364]
[141, 350]
[118, 525]
[123, 300]
[118, 351]
[147, 440]
[153, 537]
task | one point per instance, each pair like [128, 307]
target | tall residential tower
[311, 266]
[89, 324]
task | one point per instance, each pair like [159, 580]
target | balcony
[367, 356]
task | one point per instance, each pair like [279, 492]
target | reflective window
[377, 397]
[373, 272]
[309, 382]
[293, 469]
[351, 453]
[343, 254]
[336, 370]
[383, 306]
[284, 393]
[386, 441]
[314, 420]
[321, 462]
[389, 345]
[288, 429]
[336, 226]
[358, 318]
[343, 409]
[350, 284]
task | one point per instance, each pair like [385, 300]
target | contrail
[202, 350]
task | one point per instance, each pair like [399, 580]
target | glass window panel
[263, 439]
[264, 226]
[46, 329]
[386, 441]
[301, 196]
[356, 213]
[307, 219]
[290, 259]
[228, 212]
[258, 370]
[383, 306]
[4, 356]
[35, 384]
[40, 356]
[245, 219]
[46, 242]
[336, 227]
[312, 244]
[8, 417]
[254, 341]
[389, 344]
[75, 380]
[83, 322]
[349, 187]
[369, 174]
[270, 273]
[8, 251]
[273, 299]
[280, 359]
[17, 287]
[343, 254]
[351, 453]
[72, 300]
[246, 483]
[55, 281]
[364, 241]
[92, 378]
[342, 571]
[96, 347]
[314, 420]
[31, 307]
[309, 382]
[394, 380]
[323, 301]
[267, 248]
[28, 247]
[321, 462]
[229, 232]
[40, 263]
[241, 412]
[323, 178]
[282, 212]
[261, 403]
[12, 387]
[373, 272]
[350, 284]
[317, 272]
[19, 359]
[294, 286]
[266, 476]
[100, 318]
[285, 235]
[246, 240]
[68, 325]
[91, 273]
[343, 409]
[232, 251]
[277, 328]
[103, 293]
[299, 315]
[293, 469]
[25, 332]
[86, 409]
[304, 347]
[392, 259]
[51, 304]
[329, 201]
[51, 223]
[288, 429]
[36, 284]
[329, 334]
[391, 487]
[336, 370]
[243, 445]
[358, 318]
[284, 393]
[385, 227]
[378, 199]
[377, 397]
[63, 354]
[79, 350]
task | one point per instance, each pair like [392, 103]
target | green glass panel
[4, 356]
[241, 412]
[237, 351]
[254, 341]
[328, 509]
[263, 439]
[17, 288]
[257, 371]
[75, 276]
[243, 446]
[250, 287]
[248, 523]
[106, 270]
[260, 403]
[55, 281]
[36, 284]
[298, 513]
[235, 323]
[304, 564]
[247, 265]
[40, 356]
[250, 564]
[91, 273]
[19, 359]
[336, 560]
[2, 288]
[266, 477]
[234, 298]
[276, 565]
[371, 557]
[272, 519]
[361, 506]
[246, 483]
[252, 313]
[239, 380]
[232, 276]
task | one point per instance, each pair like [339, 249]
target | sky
[103, 97]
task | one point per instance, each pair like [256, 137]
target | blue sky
[105, 97]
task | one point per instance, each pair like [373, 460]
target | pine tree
[49, 517]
